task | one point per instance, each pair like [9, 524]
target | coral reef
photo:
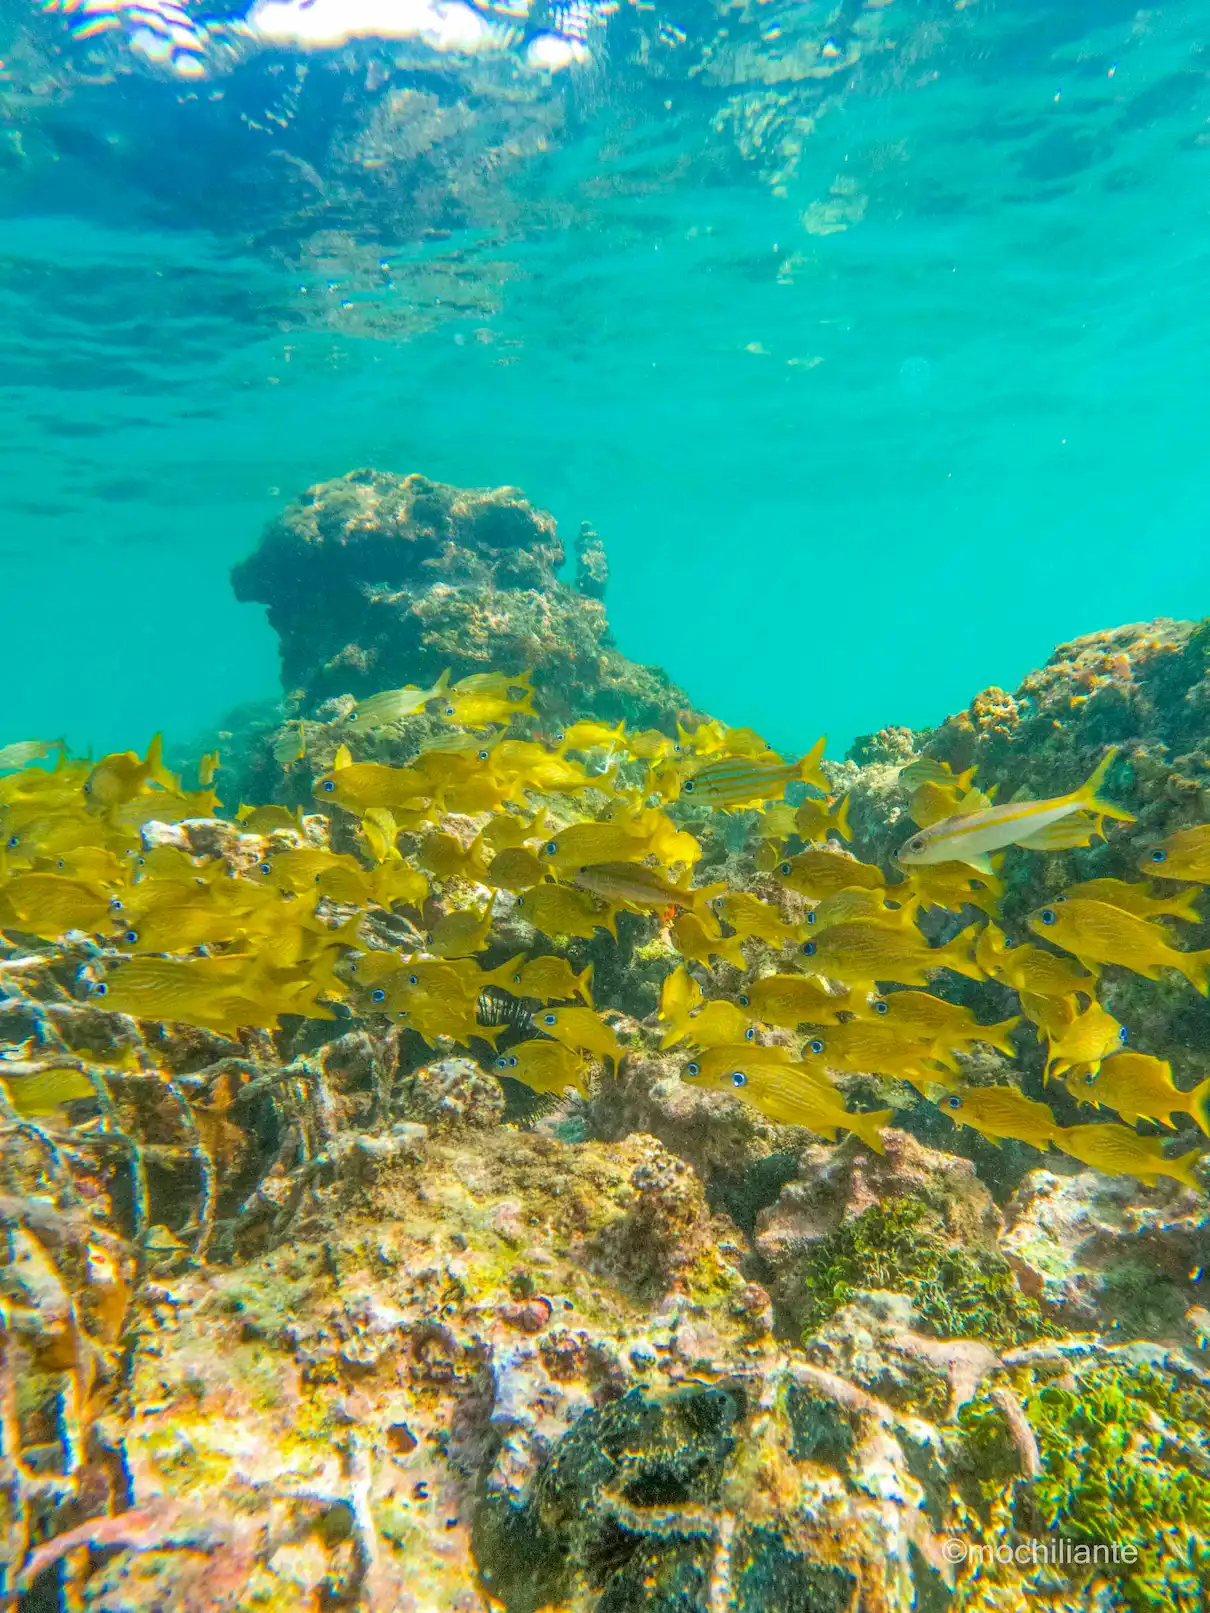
[373, 579]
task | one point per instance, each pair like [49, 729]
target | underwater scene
[604, 807]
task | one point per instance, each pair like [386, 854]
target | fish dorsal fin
[343, 758]
[972, 801]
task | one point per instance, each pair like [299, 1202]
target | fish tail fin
[997, 1035]
[808, 767]
[1182, 906]
[1181, 1168]
[584, 984]
[1088, 798]
[154, 763]
[869, 1126]
[840, 819]
[730, 950]
[1195, 966]
[1199, 1104]
[441, 685]
[958, 954]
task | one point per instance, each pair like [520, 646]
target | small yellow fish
[749, 916]
[680, 995]
[649, 745]
[552, 979]
[586, 736]
[1028, 968]
[581, 1028]
[952, 886]
[788, 1001]
[41, 1092]
[972, 836]
[1120, 1152]
[545, 1066]
[928, 770]
[50, 905]
[1096, 933]
[497, 683]
[585, 843]
[25, 751]
[564, 910]
[932, 802]
[866, 1047]
[855, 904]
[472, 710]
[290, 746]
[816, 820]
[1183, 855]
[719, 1024]
[999, 1112]
[636, 885]
[264, 819]
[860, 955]
[162, 806]
[358, 785]
[733, 782]
[1140, 1087]
[747, 742]
[514, 869]
[706, 739]
[932, 1019]
[1137, 898]
[1091, 1036]
[393, 705]
[782, 1095]
[123, 775]
[816, 874]
[445, 855]
[697, 942]
[1050, 1015]
[506, 830]
[777, 821]
[461, 934]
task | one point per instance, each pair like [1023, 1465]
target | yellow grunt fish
[358, 785]
[749, 916]
[123, 775]
[553, 980]
[1140, 1087]
[1183, 855]
[393, 705]
[1096, 933]
[25, 751]
[1089, 1038]
[564, 910]
[781, 1094]
[638, 886]
[581, 843]
[514, 869]
[932, 1019]
[581, 1028]
[680, 994]
[860, 955]
[1001, 1112]
[1120, 1152]
[788, 1001]
[586, 736]
[1137, 898]
[816, 874]
[545, 1066]
[461, 934]
[1028, 968]
[719, 1024]
[732, 782]
[866, 1047]
[856, 904]
[1041, 825]
[698, 942]
[816, 820]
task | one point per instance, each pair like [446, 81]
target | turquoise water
[876, 384]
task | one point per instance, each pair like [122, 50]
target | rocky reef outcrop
[374, 580]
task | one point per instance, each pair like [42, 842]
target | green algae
[901, 1246]
[1125, 1463]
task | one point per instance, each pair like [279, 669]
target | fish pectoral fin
[980, 861]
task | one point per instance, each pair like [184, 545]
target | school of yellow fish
[568, 832]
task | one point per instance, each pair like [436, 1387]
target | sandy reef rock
[374, 580]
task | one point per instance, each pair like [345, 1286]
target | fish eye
[916, 845]
[502, 1063]
[693, 1068]
[403, 1014]
[512, 1061]
[953, 1103]
[815, 1044]
[1159, 855]
[130, 937]
[1123, 1034]
[750, 1034]
[807, 949]
[785, 868]
[551, 847]
[879, 1006]
[413, 980]
[688, 787]
[61, 863]
[483, 755]
[1048, 915]
[449, 711]
[743, 1000]
[558, 739]
[550, 1019]
[13, 840]
[115, 903]
[265, 868]
[328, 786]
[811, 916]
[378, 996]
[99, 990]
[738, 1078]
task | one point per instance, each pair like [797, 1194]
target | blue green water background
[868, 420]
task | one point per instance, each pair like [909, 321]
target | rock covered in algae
[374, 580]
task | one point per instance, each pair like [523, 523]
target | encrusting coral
[484, 1176]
